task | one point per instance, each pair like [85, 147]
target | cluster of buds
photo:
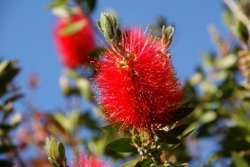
[244, 66]
[56, 152]
[108, 25]
[149, 149]
[167, 36]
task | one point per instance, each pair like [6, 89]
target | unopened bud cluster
[108, 25]
[151, 149]
[244, 66]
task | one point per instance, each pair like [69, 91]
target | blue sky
[26, 35]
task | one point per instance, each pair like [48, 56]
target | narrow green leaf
[167, 137]
[61, 151]
[112, 127]
[180, 113]
[122, 145]
[130, 164]
[53, 148]
[57, 3]
[187, 134]
[178, 130]
[144, 163]
[73, 28]
[171, 164]
[91, 4]
[238, 161]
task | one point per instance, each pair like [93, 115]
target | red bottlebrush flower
[74, 48]
[88, 161]
[138, 86]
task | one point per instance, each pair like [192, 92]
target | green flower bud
[108, 25]
[167, 36]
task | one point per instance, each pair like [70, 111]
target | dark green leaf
[113, 127]
[13, 98]
[87, 120]
[180, 113]
[97, 52]
[122, 145]
[6, 148]
[167, 137]
[130, 164]
[178, 130]
[4, 163]
[238, 161]
[144, 163]
[5, 127]
[61, 151]
[7, 76]
[91, 4]
[243, 32]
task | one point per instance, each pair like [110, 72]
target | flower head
[74, 47]
[137, 83]
[88, 161]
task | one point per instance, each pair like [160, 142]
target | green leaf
[238, 161]
[228, 61]
[5, 127]
[73, 28]
[91, 4]
[5, 163]
[167, 137]
[113, 127]
[13, 98]
[53, 148]
[6, 148]
[187, 134]
[178, 130]
[61, 151]
[130, 164]
[241, 120]
[243, 32]
[208, 60]
[180, 113]
[97, 52]
[57, 3]
[144, 163]
[122, 145]
[171, 164]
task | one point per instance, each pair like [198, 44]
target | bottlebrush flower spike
[88, 161]
[74, 39]
[138, 86]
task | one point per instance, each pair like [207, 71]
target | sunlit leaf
[238, 161]
[73, 28]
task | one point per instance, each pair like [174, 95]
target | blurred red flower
[74, 48]
[138, 87]
[88, 161]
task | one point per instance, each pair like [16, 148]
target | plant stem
[238, 13]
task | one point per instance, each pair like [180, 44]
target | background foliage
[219, 91]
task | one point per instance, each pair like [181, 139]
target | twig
[238, 13]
